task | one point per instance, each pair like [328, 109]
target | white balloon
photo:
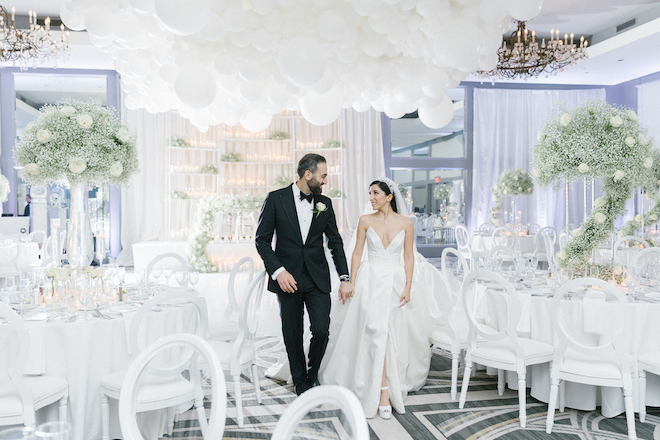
[262, 7]
[262, 40]
[373, 44]
[524, 10]
[182, 18]
[168, 72]
[324, 4]
[73, 20]
[492, 11]
[458, 43]
[488, 62]
[256, 122]
[439, 116]
[241, 38]
[286, 4]
[273, 21]
[302, 61]
[99, 22]
[234, 19]
[331, 25]
[365, 7]
[100, 42]
[195, 86]
[214, 28]
[142, 6]
[321, 109]
[250, 69]
[394, 108]
[361, 106]
[225, 64]
[251, 91]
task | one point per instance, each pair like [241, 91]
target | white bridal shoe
[385, 412]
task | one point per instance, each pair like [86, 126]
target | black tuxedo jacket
[278, 217]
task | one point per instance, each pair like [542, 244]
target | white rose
[29, 127]
[577, 232]
[51, 271]
[583, 168]
[519, 188]
[563, 254]
[320, 206]
[618, 175]
[600, 202]
[618, 270]
[638, 218]
[648, 162]
[43, 136]
[51, 112]
[630, 141]
[641, 139]
[616, 121]
[536, 172]
[77, 165]
[633, 116]
[33, 169]
[653, 217]
[540, 136]
[600, 217]
[565, 119]
[122, 134]
[116, 169]
[529, 190]
[505, 192]
[84, 121]
[67, 110]
[515, 177]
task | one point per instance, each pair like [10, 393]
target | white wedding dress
[371, 328]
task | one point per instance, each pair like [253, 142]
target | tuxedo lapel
[289, 205]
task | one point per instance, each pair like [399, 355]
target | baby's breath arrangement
[403, 190]
[442, 191]
[4, 189]
[73, 142]
[331, 143]
[279, 135]
[179, 142]
[282, 181]
[231, 156]
[178, 194]
[334, 193]
[603, 142]
[513, 182]
[209, 168]
[201, 235]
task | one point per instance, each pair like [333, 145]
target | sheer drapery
[648, 108]
[506, 125]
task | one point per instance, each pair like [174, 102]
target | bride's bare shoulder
[403, 220]
[365, 221]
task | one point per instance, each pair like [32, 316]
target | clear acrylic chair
[503, 237]
[545, 241]
[226, 329]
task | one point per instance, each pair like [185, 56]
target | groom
[299, 216]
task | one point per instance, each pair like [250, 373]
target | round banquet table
[536, 323]
[84, 351]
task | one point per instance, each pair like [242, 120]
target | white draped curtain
[648, 108]
[506, 125]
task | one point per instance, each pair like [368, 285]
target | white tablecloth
[482, 244]
[536, 322]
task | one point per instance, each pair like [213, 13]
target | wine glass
[54, 431]
[121, 274]
[193, 278]
[182, 278]
[167, 271]
[156, 272]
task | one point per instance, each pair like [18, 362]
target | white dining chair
[226, 329]
[455, 269]
[333, 395]
[502, 347]
[168, 259]
[137, 380]
[646, 363]
[626, 249]
[241, 354]
[501, 254]
[533, 228]
[545, 241]
[464, 243]
[9, 253]
[162, 389]
[504, 237]
[592, 354]
[21, 396]
[485, 229]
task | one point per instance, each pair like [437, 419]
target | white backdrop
[506, 124]
[648, 108]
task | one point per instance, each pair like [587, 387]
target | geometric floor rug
[430, 413]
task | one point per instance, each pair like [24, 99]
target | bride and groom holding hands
[377, 342]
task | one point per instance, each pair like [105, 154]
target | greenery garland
[603, 142]
[513, 182]
[279, 136]
[231, 156]
[201, 235]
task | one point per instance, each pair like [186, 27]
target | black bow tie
[308, 197]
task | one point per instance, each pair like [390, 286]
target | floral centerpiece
[513, 182]
[179, 142]
[331, 143]
[209, 168]
[4, 189]
[603, 142]
[442, 191]
[231, 156]
[279, 136]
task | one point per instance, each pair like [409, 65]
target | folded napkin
[593, 312]
[36, 362]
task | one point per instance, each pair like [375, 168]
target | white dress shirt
[304, 209]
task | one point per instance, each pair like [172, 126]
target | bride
[379, 340]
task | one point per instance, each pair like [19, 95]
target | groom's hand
[345, 291]
[287, 282]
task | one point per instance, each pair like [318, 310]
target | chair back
[503, 236]
[626, 248]
[454, 270]
[175, 260]
[500, 253]
[506, 296]
[485, 229]
[248, 318]
[533, 228]
[244, 264]
[214, 428]
[615, 326]
[462, 238]
[545, 241]
[323, 395]
[647, 261]
[14, 346]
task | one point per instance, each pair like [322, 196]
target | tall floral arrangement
[513, 182]
[4, 189]
[442, 191]
[73, 142]
[603, 142]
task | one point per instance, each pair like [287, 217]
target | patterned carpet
[430, 413]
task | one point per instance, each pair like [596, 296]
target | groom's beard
[315, 186]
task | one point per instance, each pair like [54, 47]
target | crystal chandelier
[29, 46]
[523, 57]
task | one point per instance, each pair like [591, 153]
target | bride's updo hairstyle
[386, 189]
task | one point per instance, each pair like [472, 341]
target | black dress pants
[291, 311]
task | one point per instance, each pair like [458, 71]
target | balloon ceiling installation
[231, 61]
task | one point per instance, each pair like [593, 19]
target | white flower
[600, 202]
[630, 141]
[583, 168]
[84, 121]
[642, 139]
[320, 206]
[638, 217]
[565, 119]
[618, 270]
[32, 169]
[29, 127]
[505, 192]
[563, 254]
[116, 169]
[616, 121]
[633, 116]
[540, 136]
[600, 217]
[648, 162]
[577, 232]
[653, 217]
[51, 112]
[515, 177]
[618, 175]
[43, 136]
[122, 134]
[536, 172]
[68, 110]
[520, 188]
[77, 165]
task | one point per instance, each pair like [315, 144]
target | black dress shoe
[301, 388]
[316, 383]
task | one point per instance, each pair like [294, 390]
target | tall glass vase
[79, 240]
